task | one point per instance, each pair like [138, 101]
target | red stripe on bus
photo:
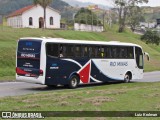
[20, 71]
[28, 58]
[85, 73]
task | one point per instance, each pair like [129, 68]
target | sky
[152, 3]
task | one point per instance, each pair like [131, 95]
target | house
[147, 25]
[32, 17]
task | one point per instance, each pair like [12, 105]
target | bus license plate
[27, 75]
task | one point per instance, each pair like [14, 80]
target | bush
[85, 16]
[151, 37]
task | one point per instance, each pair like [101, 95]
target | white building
[89, 28]
[147, 25]
[32, 17]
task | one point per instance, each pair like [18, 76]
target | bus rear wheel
[127, 78]
[74, 81]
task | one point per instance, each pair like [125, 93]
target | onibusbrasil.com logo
[26, 115]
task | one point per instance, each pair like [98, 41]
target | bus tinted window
[85, 51]
[78, 51]
[102, 52]
[69, 50]
[114, 52]
[130, 53]
[62, 50]
[91, 51]
[119, 52]
[52, 49]
[94, 51]
[108, 52]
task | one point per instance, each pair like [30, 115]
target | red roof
[20, 11]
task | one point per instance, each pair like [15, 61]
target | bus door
[139, 63]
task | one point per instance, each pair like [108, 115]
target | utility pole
[74, 20]
[86, 17]
[92, 21]
[2, 20]
[103, 18]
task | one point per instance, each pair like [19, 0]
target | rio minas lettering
[118, 64]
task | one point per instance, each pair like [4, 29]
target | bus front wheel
[73, 83]
[127, 78]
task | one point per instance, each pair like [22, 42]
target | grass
[9, 37]
[106, 97]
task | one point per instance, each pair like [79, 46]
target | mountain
[76, 3]
[8, 6]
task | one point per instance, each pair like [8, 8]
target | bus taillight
[41, 72]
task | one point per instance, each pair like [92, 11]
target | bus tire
[73, 82]
[127, 78]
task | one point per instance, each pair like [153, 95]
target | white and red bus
[54, 61]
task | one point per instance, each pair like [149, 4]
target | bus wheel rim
[74, 82]
[126, 77]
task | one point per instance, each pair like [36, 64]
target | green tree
[85, 16]
[44, 4]
[123, 7]
[151, 37]
[134, 17]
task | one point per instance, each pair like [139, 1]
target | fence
[84, 27]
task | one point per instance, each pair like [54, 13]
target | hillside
[9, 37]
[151, 13]
[76, 3]
[7, 6]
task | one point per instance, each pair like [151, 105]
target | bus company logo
[6, 115]
[28, 43]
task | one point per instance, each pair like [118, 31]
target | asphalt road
[150, 77]
[21, 88]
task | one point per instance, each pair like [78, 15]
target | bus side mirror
[146, 54]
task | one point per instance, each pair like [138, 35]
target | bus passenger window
[85, 51]
[92, 52]
[77, 51]
[114, 52]
[99, 52]
[62, 50]
[102, 53]
[121, 52]
[108, 52]
[96, 51]
[69, 50]
[130, 53]
[52, 49]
